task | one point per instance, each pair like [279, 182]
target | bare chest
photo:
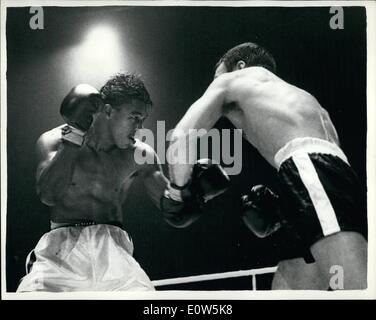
[100, 171]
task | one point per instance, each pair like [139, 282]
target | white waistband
[307, 145]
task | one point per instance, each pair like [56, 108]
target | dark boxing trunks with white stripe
[320, 193]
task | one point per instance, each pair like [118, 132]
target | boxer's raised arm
[178, 214]
[153, 177]
[200, 117]
[57, 149]
[55, 166]
[155, 182]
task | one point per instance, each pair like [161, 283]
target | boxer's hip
[320, 192]
[307, 145]
[85, 258]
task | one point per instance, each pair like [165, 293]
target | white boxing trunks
[90, 258]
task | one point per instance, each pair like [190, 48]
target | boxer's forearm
[181, 156]
[53, 180]
[180, 174]
[198, 120]
[155, 184]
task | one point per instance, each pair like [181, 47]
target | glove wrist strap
[73, 135]
[175, 192]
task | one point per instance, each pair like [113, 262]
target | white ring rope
[216, 276]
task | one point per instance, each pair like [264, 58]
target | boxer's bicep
[200, 118]
[155, 183]
[154, 180]
[55, 166]
[45, 151]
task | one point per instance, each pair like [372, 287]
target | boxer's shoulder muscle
[48, 143]
[242, 84]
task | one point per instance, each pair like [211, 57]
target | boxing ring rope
[216, 276]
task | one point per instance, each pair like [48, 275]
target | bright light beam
[101, 44]
[97, 57]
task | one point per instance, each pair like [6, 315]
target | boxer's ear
[107, 109]
[240, 65]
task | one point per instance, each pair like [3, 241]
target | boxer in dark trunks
[296, 136]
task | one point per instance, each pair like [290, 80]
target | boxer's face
[125, 120]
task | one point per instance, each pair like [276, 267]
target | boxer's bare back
[270, 111]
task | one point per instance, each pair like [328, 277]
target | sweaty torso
[272, 112]
[99, 186]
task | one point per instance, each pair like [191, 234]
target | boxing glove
[260, 211]
[208, 181]
[183, 205]
[77, 109]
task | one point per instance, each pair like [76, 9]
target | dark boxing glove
[77, 109]
[260, 211]
[208, 181]
[183, 205]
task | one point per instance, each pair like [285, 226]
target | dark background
[175, 49]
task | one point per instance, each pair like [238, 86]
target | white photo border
[369, 293]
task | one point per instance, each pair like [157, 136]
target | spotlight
[98, 56]
[100, 42]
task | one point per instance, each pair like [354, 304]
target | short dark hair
[252, 54]
[124, 87]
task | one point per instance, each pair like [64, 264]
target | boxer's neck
[99, 136]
